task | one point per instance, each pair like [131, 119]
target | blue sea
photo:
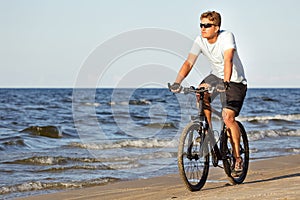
[60, 139]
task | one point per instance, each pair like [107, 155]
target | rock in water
[46, 131]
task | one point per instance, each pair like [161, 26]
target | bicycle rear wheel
[230, 160]
[193, 156]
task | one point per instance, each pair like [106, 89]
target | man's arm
[186, 68]
[228, 57]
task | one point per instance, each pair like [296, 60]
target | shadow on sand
[253, 182]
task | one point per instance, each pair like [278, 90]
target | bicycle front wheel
[229, 161]
[193, 156]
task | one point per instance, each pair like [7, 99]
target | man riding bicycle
[220, 48]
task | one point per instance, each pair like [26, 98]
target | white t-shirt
[215, 54]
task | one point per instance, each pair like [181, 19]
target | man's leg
[207, 109]
[234, 132]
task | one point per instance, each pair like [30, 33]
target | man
[220, 48]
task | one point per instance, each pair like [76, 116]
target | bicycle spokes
[193, 161]
[193, 171]
[194, 151]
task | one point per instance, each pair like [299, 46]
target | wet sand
[275, 178]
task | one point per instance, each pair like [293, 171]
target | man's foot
[238, 164]
[238, 167]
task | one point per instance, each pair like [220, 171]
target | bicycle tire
[228, 162]
[193, 156]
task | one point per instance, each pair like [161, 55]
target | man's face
[208, 29]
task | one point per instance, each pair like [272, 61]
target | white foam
[296, 150]
[22, 187]
[290, 117]
[42, 160]
[30, 186]
[258, 135]
[129, 165]
[122, 103]
[142, 143]
[93, 104]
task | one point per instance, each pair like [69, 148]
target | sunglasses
[208, 25]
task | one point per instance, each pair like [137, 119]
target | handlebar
[185, 90]
[192, 89]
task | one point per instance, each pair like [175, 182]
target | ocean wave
[269, 99]
[290, 117]
[139, 102]
[142, 143]
[113, 162]
[293, 150]
[66, 162]
[131, 102]
[124, 166]
[35, 107]
[113, 103]
[94, 104]
[259, 135]
[160, 125]
[52, 160]
[40, 160]
[262, 98]
[263, 152]
[39, 185]
[75, 167]
[13, 141]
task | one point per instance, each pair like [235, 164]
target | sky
[50, 43]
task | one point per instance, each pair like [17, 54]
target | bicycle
[197, 143]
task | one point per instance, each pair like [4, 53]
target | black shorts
[234, 97]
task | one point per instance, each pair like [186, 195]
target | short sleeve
[196, 49]
[228, 41]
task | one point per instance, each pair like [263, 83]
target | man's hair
[213, 16]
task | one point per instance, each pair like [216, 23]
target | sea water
[57, 139]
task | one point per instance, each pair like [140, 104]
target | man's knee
[228, 117]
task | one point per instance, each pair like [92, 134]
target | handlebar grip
[169, 86]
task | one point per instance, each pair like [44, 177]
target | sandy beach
[275, 178]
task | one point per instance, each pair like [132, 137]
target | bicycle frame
[214, 149]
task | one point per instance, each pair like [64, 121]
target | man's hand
[226, 85]
[175, 87]
[205, 85]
